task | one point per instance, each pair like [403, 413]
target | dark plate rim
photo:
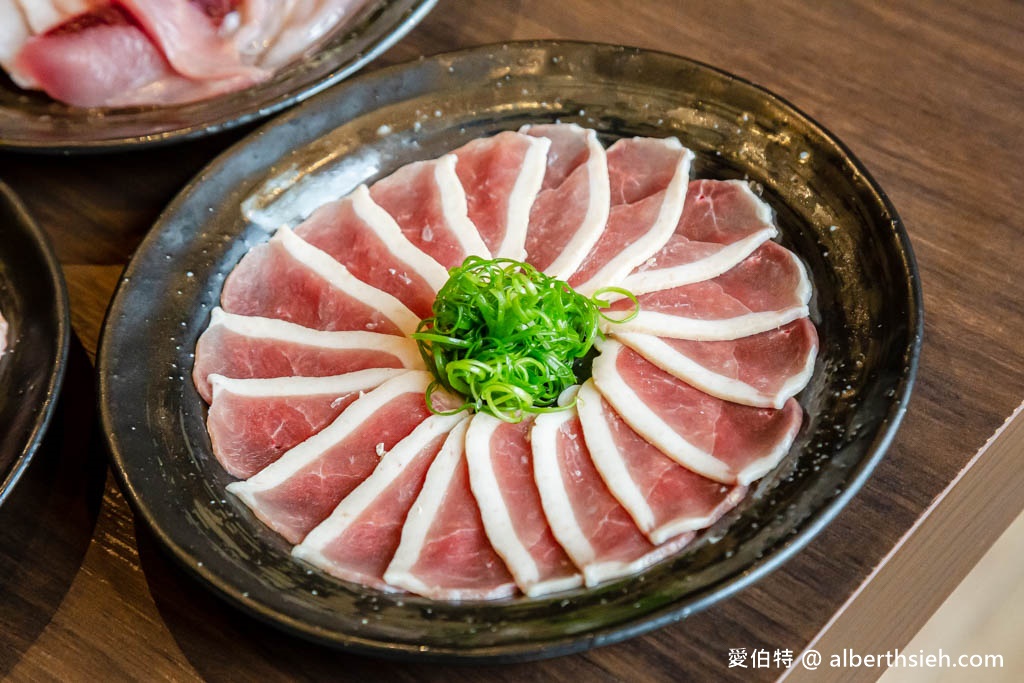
[609, 634]
[228, 122]
[62, 311]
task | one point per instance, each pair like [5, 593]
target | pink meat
[3, 333]
[663, 497]
[725, 441]
[501, 473]
[445, 553]
[294, 494]
[648, 179]
[339, 230]
[270, 282]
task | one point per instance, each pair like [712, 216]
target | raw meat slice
[363, 238]
[252, 422]
[444, 553]
[760, 370]
[723, 222]
[275, 32]
[3, 333]
[427, 201]
[358, 540]
[14, 31]
[289, 279]
[571, 209]
[304, 485]
[246, 347]
[724, 441]
[766, 290]
[501, 476]
[502, 176]
[664, 498]
[595, 530]
[649, 179]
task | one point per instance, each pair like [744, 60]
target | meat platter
[829, 214]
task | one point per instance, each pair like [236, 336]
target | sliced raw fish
[368, 242]
[252, 422]
[427, 201]
[14, 31]
[289, 279]
[725, 441]
[300, 489]
[571, 209]
[275, 32]
[501, 475]
[723, 222]
[766, 290]
[648, 179]
[664, 498]
[246, 347]
[762, 370]
[501, 176]
[592, 526]
[358, 540]
[444, 553]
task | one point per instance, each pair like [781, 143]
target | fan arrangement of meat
[317, 395]
[116, 53]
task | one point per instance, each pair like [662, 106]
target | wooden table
[927, 94]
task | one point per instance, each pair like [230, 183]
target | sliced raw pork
[304, 485]
[664, 498]
[648, 179]
[289, 279]
[246, 347]
[725, 441]
[444, 553]
[427, 201]
[571, 209]
[766, 290]
[723, 222]
[501, 176]
[596, 531]
[501, 475]
[368, 242]
[762, 370]
[358, 540]
[252, 422]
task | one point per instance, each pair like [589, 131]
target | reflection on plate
[32, 121]
[34, 301]
[866, 307]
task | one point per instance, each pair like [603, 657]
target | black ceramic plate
[866, 306]
[34, 122]
[34, 302]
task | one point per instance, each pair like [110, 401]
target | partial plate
[867, 307]
[31, 121]
[34, 301]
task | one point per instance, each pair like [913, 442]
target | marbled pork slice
[245, 347]
[766, 290]
[571, 209]
[592, 526]
[444, 553]
[427, 200]
[289, 279]
[368, 242]
[761, 370]
[724, 441]
[648, 179]
[501, 476]
[722, 223]
[502, 175]
[252, 422]
[304, 485]
[358, 540]
[664, 498]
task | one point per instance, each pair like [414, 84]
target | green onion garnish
[507, 337]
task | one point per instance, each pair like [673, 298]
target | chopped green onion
[509, 338]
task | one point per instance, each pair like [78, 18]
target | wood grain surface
[927, 94]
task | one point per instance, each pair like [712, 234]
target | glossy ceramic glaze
[866, 306]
